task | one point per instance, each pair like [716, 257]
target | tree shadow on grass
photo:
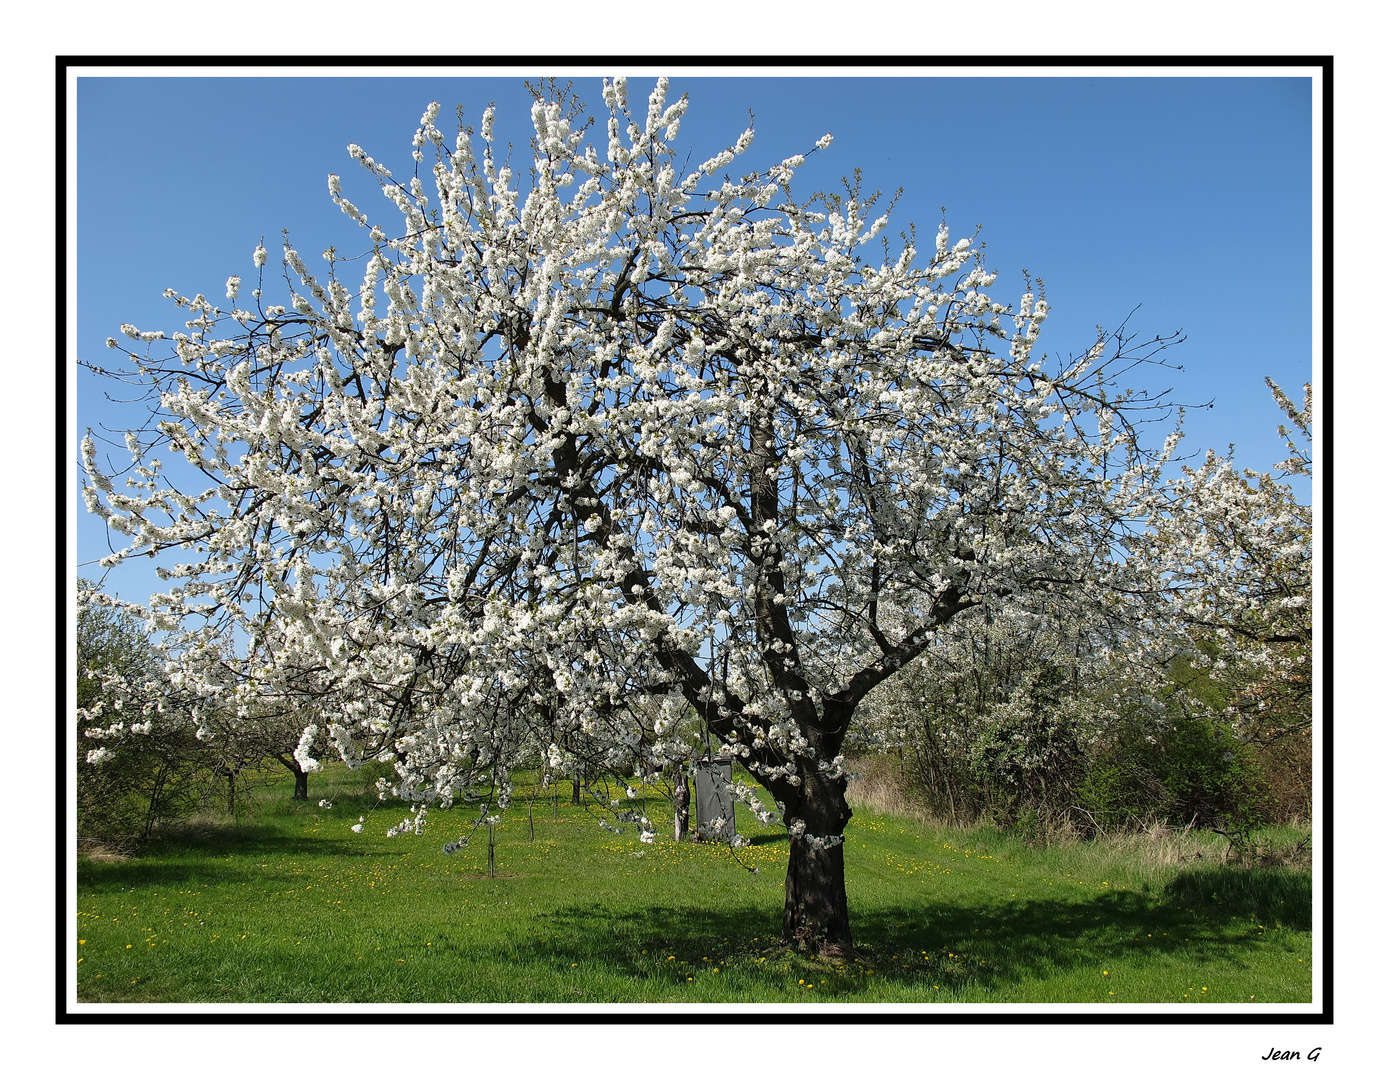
[1266, 895]
[916, 947]
[1001, 945]
[201, 855]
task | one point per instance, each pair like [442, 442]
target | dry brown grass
[878, 785]
[1159, 844]
[102, 850]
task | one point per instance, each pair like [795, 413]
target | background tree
[994, 717]
[1216, 734]
[1240, 544]
[628, 439]
[246, 740]
[1240, 547]
[139, 761]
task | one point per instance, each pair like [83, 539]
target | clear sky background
[1188, 198]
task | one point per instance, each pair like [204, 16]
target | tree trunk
[301, 778]
[682, 805]
[816, 916]
[156, 792]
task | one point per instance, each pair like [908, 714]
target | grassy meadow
[284, 903]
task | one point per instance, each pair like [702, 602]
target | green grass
[286, 904]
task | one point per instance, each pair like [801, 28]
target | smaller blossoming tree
[139, 762]
[1240, 547]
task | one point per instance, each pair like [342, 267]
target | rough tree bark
[682, 805]
[815, 918]
[301, 778]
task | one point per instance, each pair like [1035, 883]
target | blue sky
[1188, 198]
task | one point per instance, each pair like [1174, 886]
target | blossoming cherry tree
[614, 464]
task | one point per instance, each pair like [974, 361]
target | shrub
[1120, 789]
[141, 780]
[1212, 778]
[1287, 768]
[1030, 752]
